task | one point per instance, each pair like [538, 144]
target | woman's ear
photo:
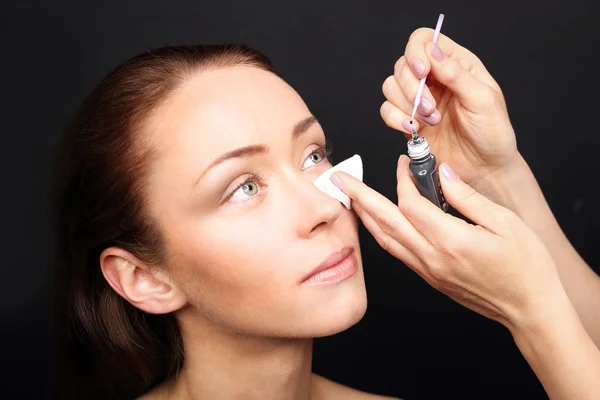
[148, 289]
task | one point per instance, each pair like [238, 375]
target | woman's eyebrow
[247, 151]
[240, 152]
[303, 126]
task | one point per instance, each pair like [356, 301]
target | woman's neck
[221, 364]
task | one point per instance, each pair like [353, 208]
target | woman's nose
[316, 210]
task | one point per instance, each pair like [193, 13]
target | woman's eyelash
[326, 150]
[254, 176]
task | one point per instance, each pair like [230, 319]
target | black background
[414, 342]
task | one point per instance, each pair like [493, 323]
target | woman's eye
[314, 158]
[247, 189]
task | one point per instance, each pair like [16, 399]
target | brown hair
[105, 347]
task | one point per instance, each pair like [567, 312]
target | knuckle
[439, 273]
[420, 32]
[386, 110]
[451, 248]
[455, 246]
[385, 242]
[474, 58]
[405, 87]
[407, 209]
[429, 252]
[358, 196]
[454, 71]
[491, 99]
[399, 64]
[389, 223]
[498, 99]
[387, 86]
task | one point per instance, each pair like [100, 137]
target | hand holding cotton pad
[352, 166]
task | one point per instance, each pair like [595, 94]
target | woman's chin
[343, 324]
[340, 315]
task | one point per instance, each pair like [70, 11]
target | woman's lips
[337, 267]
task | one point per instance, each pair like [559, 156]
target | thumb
[468, 201]
[471, 92]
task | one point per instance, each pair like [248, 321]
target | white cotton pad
[352, 166]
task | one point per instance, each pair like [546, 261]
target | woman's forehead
[219, 110]
[229, 104]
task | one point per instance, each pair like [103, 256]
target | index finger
[385, 213]
[416, 55]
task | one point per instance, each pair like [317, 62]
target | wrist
[544, 320]
[507, 185]
[560, 352]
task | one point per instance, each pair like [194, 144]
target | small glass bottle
[424, 169]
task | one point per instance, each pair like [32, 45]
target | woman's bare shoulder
[328, 389]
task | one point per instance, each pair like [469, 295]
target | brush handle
[436, 34]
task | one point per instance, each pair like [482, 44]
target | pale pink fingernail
[448, 172]
[425, 106]
[418, 67]
[400, 158]
[336, 181]
[432, 119]
[436, 52]
[408, 126]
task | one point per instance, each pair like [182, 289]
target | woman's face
[232, 189]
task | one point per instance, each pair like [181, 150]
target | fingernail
[408, 126]
[448, 172]
[400, 158]
[425, 106]
[436, 52]
[418, 67]
[432, 119]
[336, 181]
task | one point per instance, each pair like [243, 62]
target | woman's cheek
[315, 171]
